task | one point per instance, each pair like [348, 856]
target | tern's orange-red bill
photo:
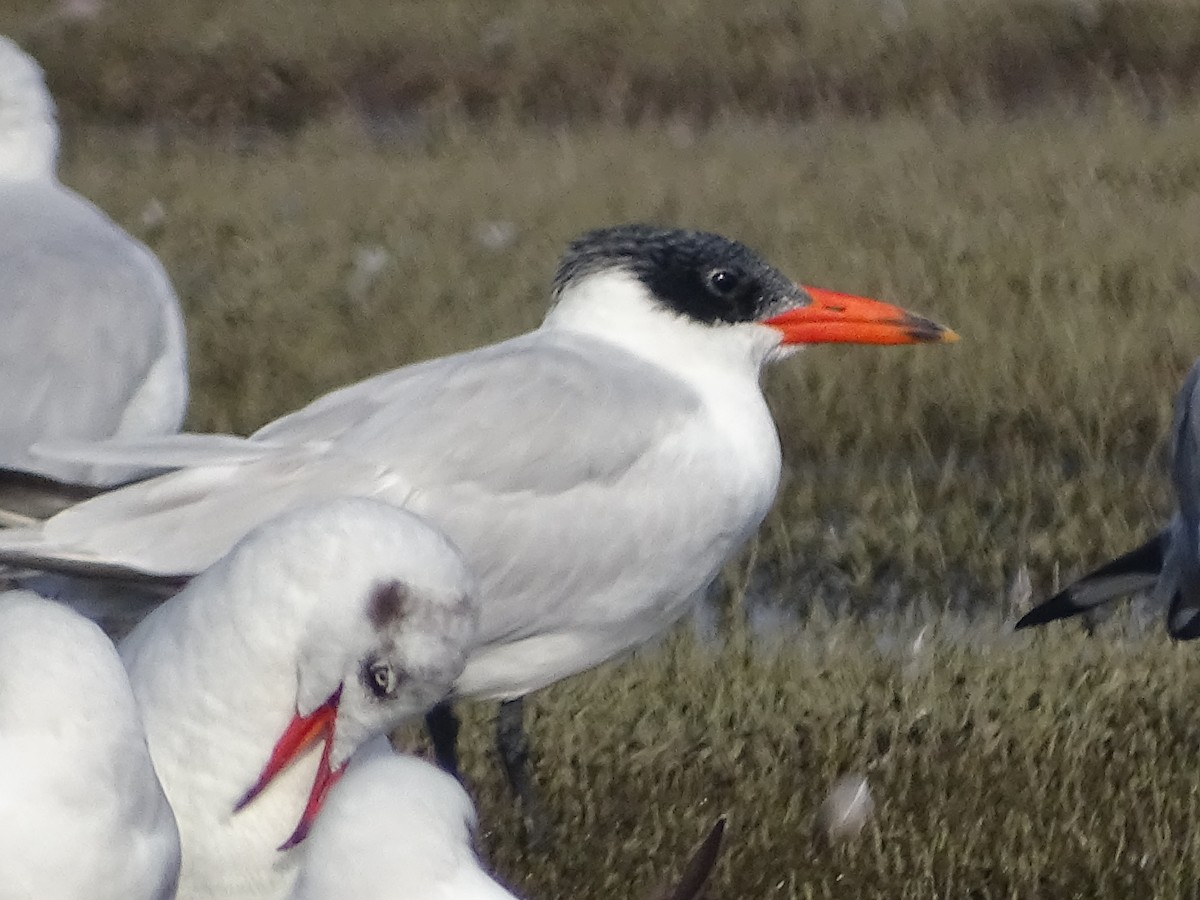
[835, 318]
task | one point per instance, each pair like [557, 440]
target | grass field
[1061, 248]
[932, 487]
[1000, 766]
[279, 65]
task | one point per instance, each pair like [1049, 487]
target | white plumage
[82, 813]
[320, 630]
[395, 828]
[92, 342]
[596, 473]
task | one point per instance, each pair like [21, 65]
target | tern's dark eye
[723, 282]
[381, 678]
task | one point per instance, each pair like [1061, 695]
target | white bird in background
[394, 826]
[92, 339]
[1170, 561]
[397, 828]
[82, 814]
[596, 473]
[320, 630]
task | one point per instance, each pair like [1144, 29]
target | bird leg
[442, 725]
[513, 746]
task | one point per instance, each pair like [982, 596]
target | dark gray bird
[1170, 561]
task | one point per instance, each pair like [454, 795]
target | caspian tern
[398, 828]
[596, 473]
[92, 340]
[1170, 561]
[322, 629]
[82, 813]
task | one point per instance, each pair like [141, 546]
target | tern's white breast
[604, 567]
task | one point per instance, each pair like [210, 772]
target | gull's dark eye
[381, 678]
[723, 282]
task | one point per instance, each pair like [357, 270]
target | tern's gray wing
[92, 339]
[507, 427]
[542, 413]
[178, 524]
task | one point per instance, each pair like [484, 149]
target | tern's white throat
[614, 305]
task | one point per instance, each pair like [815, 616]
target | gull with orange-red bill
[322, 629]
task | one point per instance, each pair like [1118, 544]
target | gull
[395, 826]
[92, 342]
[323, 628]
[398, 828]
[596, 473]
[1168, 563]
[82, 813]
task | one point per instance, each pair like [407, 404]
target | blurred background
[338, 188]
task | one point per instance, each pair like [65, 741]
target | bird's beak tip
[834, 317]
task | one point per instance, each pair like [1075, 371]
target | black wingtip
[1060, 606]
[699, 866]
[1124, 574]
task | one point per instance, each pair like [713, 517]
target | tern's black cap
[704, 276]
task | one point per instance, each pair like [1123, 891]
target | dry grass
[1061, 243]
[260, 62]
[1001, 767]
[1063, 249]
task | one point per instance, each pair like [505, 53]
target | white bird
[82, 813]
[1170, 561]
[320, 630]
[596, 473]
[92, 341]
[397, 828]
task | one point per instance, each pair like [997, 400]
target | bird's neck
[210, 688]
[617, 308]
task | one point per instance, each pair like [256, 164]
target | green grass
[1061, 243]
